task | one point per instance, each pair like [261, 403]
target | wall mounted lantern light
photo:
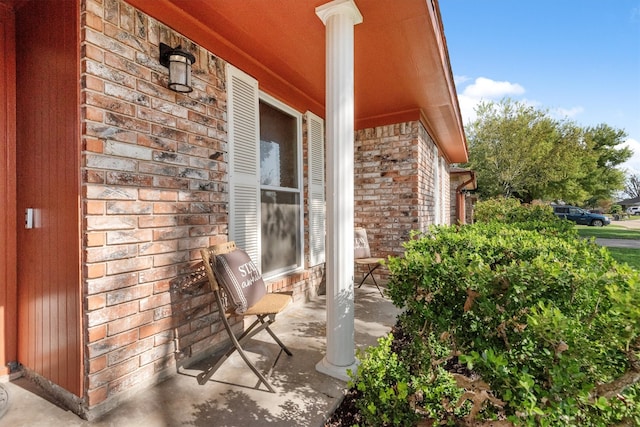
[179, 63]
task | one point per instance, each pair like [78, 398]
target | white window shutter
[317, 209]
[436, 185]
[244, 162]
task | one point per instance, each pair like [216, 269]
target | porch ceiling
[402, 69]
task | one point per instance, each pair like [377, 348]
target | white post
[339, 17]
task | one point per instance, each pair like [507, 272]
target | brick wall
[394, 186]
[154, 190]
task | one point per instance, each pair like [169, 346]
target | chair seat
[269, 304]
[365, 261]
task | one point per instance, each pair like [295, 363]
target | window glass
[280, 225]
[280, 190]
[278, 148]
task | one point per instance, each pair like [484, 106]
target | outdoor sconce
[178, 61]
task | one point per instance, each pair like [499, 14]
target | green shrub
[536, 217]
[391, 395]
[544, 318]
[384, 382]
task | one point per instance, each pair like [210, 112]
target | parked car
[580, 216]
[633, 210]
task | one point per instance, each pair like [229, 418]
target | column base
[339, 372]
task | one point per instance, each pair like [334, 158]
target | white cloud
[467, 108]
[484, 88]
[569, 113]
[633, 164]
[460, 79]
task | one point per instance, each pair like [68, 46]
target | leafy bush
[616, 209]
[393, 396]
[537, 217]
[549, 322]
[384, 383]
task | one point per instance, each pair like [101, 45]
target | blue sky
[578, 59]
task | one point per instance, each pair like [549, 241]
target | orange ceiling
[402, 69]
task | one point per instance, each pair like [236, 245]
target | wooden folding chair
[265, 311]
[362, 256]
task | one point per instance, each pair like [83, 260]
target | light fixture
[179, 63]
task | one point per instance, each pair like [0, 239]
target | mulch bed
[346, 414]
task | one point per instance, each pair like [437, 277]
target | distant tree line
[632, 186]
[520, 151]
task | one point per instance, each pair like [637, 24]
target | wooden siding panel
[48, 181]
[8, 304]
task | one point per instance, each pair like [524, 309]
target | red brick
[158, 273]
[157, 221]
[131, 380]
[129, 351]
[95, 302]
[92, 21]
[157, 327]
[104, 284]
[106, 376]
[93, 52]
[129, 264]
[94, 271]
[97, 333]
[155, 301]
[94, 145]
[107, 314]
[97, 364]
[128, 323]
[152, 248]
[158, 195]
[128, 294]
[96, 396]
[109, 103]
[104, 346]
[95, 239]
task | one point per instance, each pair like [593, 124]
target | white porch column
[339, 16]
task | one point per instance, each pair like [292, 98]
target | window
[280, 189]
[265, 178]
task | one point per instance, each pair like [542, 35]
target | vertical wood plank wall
[8, 287]
[48, 147]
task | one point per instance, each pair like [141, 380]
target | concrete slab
[618, 243]
[304, 396]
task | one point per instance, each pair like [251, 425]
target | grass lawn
[622, 255]
[608, 232]
[626, 255]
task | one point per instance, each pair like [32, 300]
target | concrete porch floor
[304, 396]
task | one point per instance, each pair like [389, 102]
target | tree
[632, 186]
[520, 151]
[603, 178]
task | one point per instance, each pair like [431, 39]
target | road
[633, 224]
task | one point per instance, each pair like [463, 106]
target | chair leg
[203, 377]
[275, 338]
[370, 273]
